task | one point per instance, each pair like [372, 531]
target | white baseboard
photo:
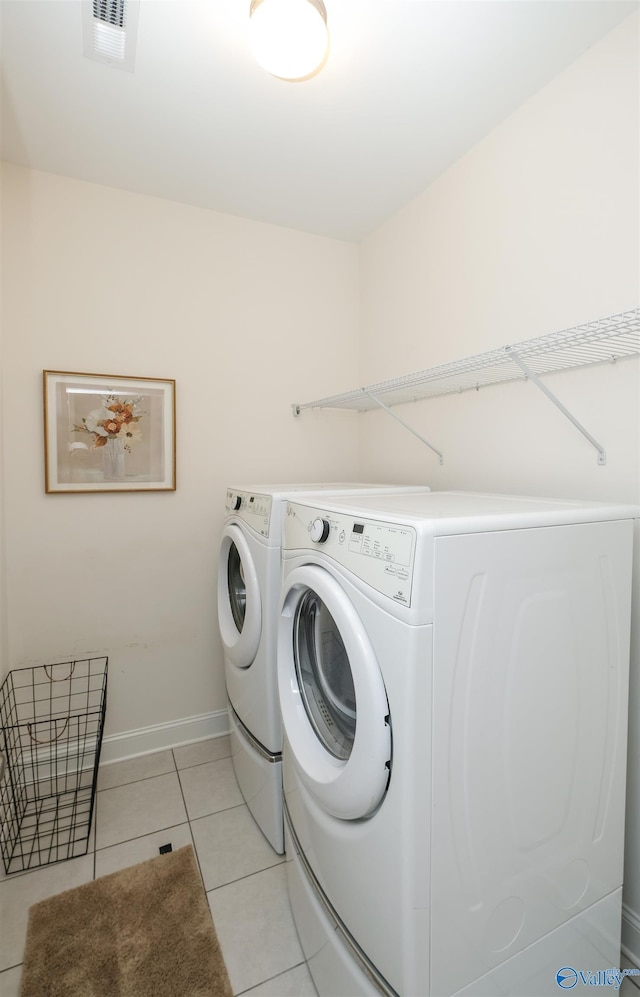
[158, 737]
[631, 935]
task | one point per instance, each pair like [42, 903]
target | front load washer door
[239, 608]
[332, 696]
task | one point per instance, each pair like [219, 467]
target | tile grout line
[132, 782]
[270, 979]
[186, 810]
[248, 875]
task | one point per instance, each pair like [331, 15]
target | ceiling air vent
[109, 31]
[110, 11]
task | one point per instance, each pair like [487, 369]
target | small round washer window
[324, 675]
[237, 587]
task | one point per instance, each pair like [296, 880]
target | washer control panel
[253, 509]
[380, 553]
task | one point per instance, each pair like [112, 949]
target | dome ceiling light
[289, 38]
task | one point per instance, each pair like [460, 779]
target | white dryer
[248, 593]
[453, 676]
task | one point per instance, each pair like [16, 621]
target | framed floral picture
[105, 433]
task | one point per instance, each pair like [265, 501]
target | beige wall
[247, 318]
[4, 657]
[535, 230]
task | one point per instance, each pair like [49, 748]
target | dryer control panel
[380, 553]
[252, 509]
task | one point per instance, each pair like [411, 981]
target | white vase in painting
[113, 459]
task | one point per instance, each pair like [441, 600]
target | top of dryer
[456, 512]
[261, 507]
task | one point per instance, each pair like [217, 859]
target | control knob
[236, 502]
[319, 531]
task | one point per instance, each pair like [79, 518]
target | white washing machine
[453, 680]
[248, 593]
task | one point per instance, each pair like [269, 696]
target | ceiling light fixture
[289, 38]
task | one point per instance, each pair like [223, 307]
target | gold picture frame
[108, 433]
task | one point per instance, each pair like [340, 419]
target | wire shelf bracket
[604, 340]
[602, 456]
[406, 425]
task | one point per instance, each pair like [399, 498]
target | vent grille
[113, 12]
[110, 30]
[109, 42]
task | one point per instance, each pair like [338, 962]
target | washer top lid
[449, 513]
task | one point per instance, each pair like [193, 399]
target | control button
[342, 536]
[319, 531]
[236, 502]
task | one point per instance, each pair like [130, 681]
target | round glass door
[236, 587]
[324, 675]
[239, 604]
[333, 701]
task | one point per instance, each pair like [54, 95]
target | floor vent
[109, 31]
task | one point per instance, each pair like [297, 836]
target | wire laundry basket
[51, 726]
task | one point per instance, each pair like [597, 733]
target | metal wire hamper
[51, 726]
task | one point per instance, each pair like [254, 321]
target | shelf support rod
[403, 423]
[602, 456]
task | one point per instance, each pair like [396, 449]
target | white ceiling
[409, 86]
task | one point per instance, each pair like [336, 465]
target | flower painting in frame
[105, 433]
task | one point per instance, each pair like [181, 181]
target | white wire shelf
[605, 340]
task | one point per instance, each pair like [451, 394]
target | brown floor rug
[145, 931]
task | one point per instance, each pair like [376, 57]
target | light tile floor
[186, 795]
[631, 984]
